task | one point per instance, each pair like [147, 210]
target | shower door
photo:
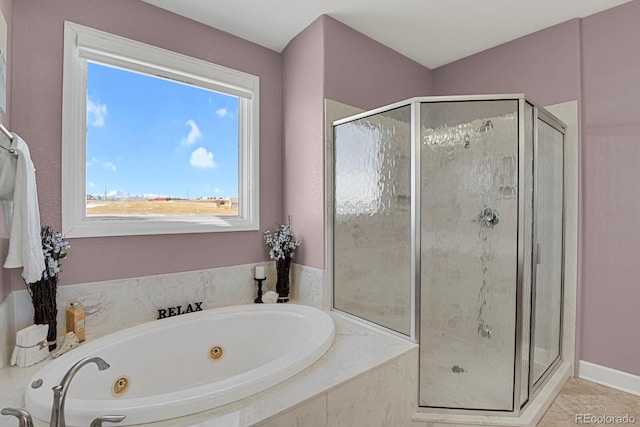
[548, 248]
[372, 219]
[469, 253]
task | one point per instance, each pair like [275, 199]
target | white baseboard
[619, 380]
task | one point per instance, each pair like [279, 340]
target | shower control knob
[488, 218]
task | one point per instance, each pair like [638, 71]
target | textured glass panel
[548, 232]
[372, 218]
[527, 164]
[469, 254]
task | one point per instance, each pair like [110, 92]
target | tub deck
[357, 349]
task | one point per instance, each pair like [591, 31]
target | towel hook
[9, 135]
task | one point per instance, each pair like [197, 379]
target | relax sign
[175, 311]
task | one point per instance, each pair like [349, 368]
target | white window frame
[81, 44]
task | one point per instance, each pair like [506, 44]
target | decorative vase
[43, 298]
[282, 284]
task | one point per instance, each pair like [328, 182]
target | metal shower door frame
[539, 113]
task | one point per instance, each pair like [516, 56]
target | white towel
[28, 350]
[270, 297]
[20, 201]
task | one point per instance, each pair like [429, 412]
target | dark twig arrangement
[43, 297]
[282, 245]
[43, 292]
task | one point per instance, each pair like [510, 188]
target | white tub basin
[170, 367]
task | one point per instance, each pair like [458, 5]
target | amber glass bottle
[75, 319]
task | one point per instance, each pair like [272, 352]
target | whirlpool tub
[186, 364]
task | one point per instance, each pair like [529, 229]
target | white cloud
[194, 133]
[222, 112]
[201, 158]
[106, 165]
[91, 184]
[218, 190]
[96, 113]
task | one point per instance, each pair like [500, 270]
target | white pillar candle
[259, 274]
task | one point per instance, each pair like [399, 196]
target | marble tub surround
[361, 358]
[117, 304]
[12, 383]
[7, 331]
[309, 286]
[382, 397]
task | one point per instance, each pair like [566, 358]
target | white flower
[282, 243]
[54, 248]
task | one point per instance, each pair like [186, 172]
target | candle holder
[258, 300]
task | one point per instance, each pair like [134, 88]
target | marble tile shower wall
[118, 304]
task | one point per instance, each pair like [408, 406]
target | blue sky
[147, 135]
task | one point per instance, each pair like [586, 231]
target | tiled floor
[580, 403]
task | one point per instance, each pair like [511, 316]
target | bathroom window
[154, 142]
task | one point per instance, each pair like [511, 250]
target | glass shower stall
[448, 228]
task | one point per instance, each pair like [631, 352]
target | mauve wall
[611, 166]
[595, 61]
[364, 73]
[543, 65]
[5, 279]
[303, 112]
[331, 60]
[36, 115]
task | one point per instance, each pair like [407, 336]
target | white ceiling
[431, 32]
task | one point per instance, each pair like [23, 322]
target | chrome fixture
[60, 394]
[59, 398]
[107, 419]
[60, 391]
[24, 418]
[488, 218]
[9, 135]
